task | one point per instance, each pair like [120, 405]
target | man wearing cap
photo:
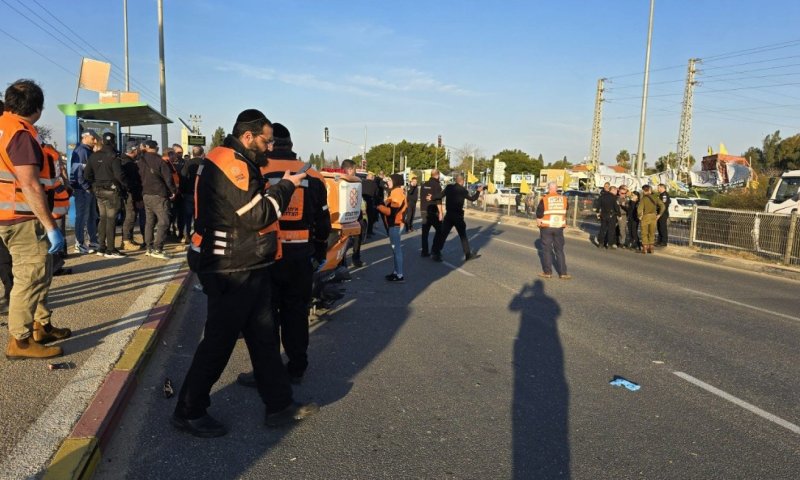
[158, 189]
[134, 206]
[235, 241]
[104, 173]
[85, 201]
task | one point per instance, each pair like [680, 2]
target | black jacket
[156, 176]
[131, 171]
[433, 188]
[413, 194]
[608, 205]
[104, 170]
[455, 196]
[234, 219]
[188, 173]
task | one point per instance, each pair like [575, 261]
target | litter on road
[61, 366]
[618, 381]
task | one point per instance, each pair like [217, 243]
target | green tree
[667, 162]
[218, 138]
[518, 162]
[756, 157]
[770, 149]
[540, 159]
[788, 153]
[563, 163]
[624, 159]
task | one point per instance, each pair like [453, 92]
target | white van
[784, 193]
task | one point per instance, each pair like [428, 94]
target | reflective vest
[13, 205]
[219, 243]
[61, 194]
[555, 211]
[295, 227]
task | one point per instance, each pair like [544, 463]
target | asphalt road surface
[482, 370]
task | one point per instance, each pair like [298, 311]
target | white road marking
[515, 244]
[30, 456]
[459, 269]
[734, 302]
[370, 264]
[747, 406]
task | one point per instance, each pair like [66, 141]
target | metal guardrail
[768, 235]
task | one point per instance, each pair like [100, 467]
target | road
[482, 370]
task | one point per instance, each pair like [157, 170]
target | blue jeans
[397, 249]
[85, 216]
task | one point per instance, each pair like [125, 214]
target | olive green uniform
[650, 208]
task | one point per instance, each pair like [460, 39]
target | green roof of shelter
[132, 114]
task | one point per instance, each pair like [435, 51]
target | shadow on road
[541, 396]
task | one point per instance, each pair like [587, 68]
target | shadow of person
[541, 397]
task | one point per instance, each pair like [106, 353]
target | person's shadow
[541, 397]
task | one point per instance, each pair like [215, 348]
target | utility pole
[685, 131]
[125, 30]
[639, 151]
[162, 72]
[594, 152]
[364, 160]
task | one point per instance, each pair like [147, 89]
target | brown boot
[18, 349]
[48, 333]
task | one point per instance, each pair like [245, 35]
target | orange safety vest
[13, 205]
[225, 159]
[176, 178]
[294, 228]
[555, 211]
[61, 194]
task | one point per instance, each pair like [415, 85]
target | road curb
[790, 273]
[78, 456]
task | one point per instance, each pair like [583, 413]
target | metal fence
[767, 235]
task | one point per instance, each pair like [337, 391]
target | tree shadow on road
[541, 397]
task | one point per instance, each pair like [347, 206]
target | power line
[37, 52]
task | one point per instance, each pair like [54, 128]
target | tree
[624, 159]
[770, 149]
[563, 163]
[218, 138]
[540, 159]
[756, 157]
[518, 162]
[45, 133]
[667, 162]
[787, 155]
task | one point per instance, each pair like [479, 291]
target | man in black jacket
[412, 196]
[431, 210]
[609, 211]
[663, 220]
[157, 190]
[235, 243]
[455, 194]
[369, 192]
[104, 173]
[188, 174]
[134, 208]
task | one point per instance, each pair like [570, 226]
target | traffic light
[439, 142]
[327, 136]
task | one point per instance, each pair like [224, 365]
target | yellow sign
[471, 178]
[524, 187]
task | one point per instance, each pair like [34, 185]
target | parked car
[681, 207]
[503, 196]
[585, 200]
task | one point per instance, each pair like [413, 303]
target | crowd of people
[631, 219]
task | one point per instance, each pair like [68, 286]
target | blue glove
[56, 239]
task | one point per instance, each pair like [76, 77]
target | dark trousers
[410, 212]
[156, 210]
[372, 216]
[608, 231]
[291, 298]
[109, 206]
[6, 278]
[237, 302]
[448, 223]
[429, 220]
[663, 228]
[553, 245]
[132, 214]
[187, 221]
[633, 233]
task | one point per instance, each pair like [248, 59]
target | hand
[441, 217]
[296, 178]
[428, 197]
[57, 241]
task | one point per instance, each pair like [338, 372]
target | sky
[487, 76]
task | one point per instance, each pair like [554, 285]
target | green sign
[199, 140]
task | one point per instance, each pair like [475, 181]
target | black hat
[283, 139]
[151, 144]
[109, 138]
[250, 115]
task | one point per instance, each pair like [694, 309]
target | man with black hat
[104, 173]
[235, 241]
[158, 189]
[305, 226]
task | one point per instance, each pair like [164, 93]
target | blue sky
[485, 75]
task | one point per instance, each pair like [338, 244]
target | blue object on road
[618, 381]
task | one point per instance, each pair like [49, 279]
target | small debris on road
[61, 366]
[658, 362]
[168, 390]
[618, 381]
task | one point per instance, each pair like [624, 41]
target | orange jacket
[395, 207]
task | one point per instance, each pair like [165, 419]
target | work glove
[57, 241]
